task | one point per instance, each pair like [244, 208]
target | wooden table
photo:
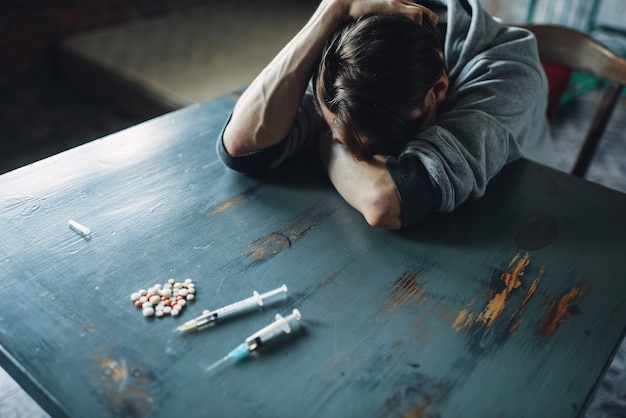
[511, 306]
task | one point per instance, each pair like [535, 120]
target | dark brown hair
[373, 73]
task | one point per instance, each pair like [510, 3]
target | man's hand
[365, 185]
[354, 9]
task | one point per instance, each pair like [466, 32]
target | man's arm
[365, 185]
[265, 112]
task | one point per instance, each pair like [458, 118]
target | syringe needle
[217, 363]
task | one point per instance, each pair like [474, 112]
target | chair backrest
[579, 14]
[573, 49]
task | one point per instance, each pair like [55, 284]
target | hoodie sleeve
[495, 107]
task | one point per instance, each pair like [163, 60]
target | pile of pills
[167, 299]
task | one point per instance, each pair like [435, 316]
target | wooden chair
[579, 14]
[571, 49]
[595, 17]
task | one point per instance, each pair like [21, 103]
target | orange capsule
[138, 303]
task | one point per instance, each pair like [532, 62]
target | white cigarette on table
[79, 228]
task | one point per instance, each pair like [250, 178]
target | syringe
[280, 325]
[209, 317]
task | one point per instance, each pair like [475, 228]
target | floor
[47, 116]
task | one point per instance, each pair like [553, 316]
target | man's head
[378, 81]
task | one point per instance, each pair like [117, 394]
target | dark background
[41, 114]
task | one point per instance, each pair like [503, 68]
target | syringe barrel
[246, 304]
[279, 326]
[242, 305]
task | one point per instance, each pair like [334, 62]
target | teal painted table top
[511, 306]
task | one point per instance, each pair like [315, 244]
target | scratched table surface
[511, 306]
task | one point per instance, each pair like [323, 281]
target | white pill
[155, 299]
[79, 229]
[135, 296]
[190, 296]
[146, 305]
[183, 292]
[167, 292]
[148, 311]
[158, 313]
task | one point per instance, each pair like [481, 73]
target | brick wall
[30, 29]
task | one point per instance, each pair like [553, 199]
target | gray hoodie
[494, 113]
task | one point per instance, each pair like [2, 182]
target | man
[396, 151]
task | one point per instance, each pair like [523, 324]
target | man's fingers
[418, 13]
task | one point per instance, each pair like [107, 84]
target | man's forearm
[265, 112]
[365, 185]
